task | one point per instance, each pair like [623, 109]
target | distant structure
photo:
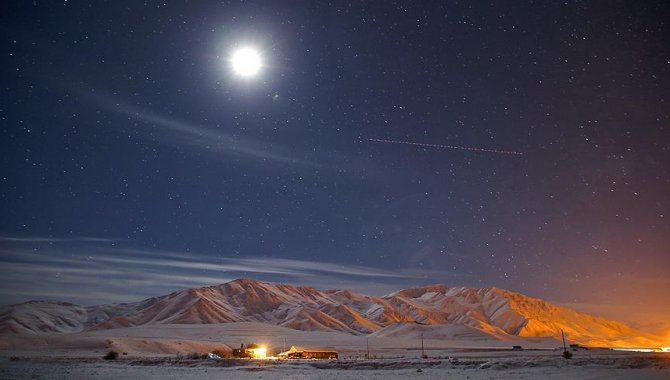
[566, 354]
[298, 352]
[423, 353]
[252, 350]
[577, 347]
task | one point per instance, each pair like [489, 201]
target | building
[241, 352]
[252, 350]
[299, 352]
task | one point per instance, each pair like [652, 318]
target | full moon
[246, 62]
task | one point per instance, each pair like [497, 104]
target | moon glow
[246, 62]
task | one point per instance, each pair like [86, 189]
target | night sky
[134, 161]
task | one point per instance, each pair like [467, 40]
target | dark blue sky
[124, 130]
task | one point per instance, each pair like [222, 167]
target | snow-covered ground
[171, 339]
[151, 353]
[478, 365]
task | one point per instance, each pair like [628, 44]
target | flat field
[159, 352]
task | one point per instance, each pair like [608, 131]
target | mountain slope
[436, 309]
[42, 317]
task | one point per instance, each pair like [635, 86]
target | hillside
[439, 310]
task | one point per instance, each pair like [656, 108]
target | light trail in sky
[448, 146]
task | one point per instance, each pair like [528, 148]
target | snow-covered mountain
[437, 309]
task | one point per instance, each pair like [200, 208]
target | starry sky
[135, 162]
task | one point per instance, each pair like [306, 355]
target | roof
[309, 349]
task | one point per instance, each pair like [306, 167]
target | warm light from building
[635, 349]
[259, 352]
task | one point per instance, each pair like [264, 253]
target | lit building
[298, 352]
[259, 352]
[253, 350]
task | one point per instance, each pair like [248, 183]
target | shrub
[111, 355]
[196, 355]
[221, 353]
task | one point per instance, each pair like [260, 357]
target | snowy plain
[150, 355]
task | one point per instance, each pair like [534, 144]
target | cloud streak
[96, 272]
[42, 239]
[214, 140]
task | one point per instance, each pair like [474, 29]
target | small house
[299, 352]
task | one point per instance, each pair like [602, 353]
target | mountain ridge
[488, 312]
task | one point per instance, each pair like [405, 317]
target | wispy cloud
[99, 271]
[213, 139]
[45, 239]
